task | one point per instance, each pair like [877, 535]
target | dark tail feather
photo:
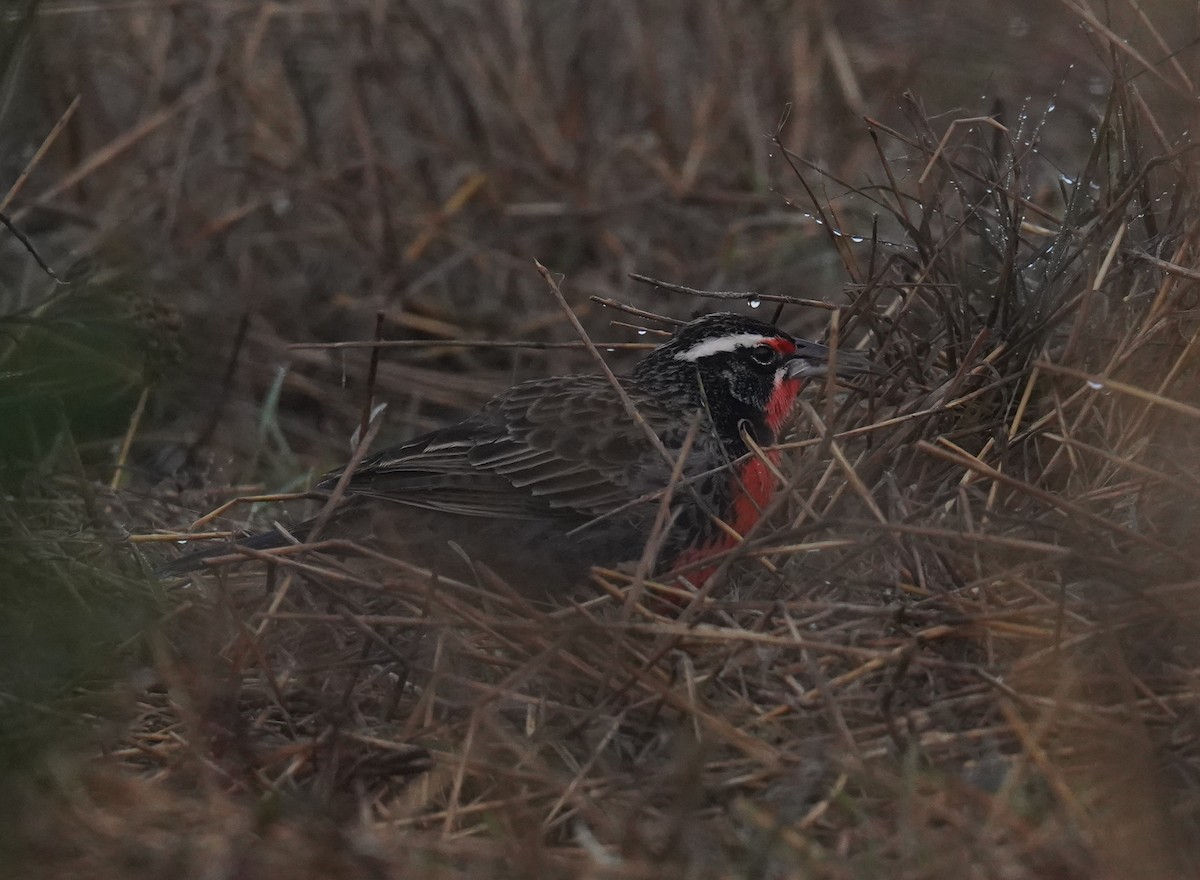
[194, 561]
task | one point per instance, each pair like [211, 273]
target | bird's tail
[264, 541]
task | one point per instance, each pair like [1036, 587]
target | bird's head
[742, 370]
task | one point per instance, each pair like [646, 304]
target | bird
[556, 475]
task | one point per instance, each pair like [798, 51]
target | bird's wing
[561, 445]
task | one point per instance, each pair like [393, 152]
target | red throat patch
[779, 407]
[753, 486]
[754, 483]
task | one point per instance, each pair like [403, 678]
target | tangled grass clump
[964, 639]
[963, 643]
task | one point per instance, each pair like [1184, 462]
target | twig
[631, 310]
[1101, 383]
[743, 295]
[464, 343]
[24, 239]
[41, 151]
[121, 143]
[622, 395]
[372, 371]
[127, 441]
[662, 523]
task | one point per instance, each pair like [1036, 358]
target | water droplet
[641, 331]
[181, 542]
[1094, 385]
[857, 239]
[754, 302]
[610, 349]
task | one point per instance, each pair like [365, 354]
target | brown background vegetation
[307, 164]
[979, 662]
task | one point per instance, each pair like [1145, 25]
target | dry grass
[963, 645]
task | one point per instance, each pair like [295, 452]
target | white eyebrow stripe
[720, 344]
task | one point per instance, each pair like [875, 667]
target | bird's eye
[764, 354]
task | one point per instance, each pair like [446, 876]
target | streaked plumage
[544, 481]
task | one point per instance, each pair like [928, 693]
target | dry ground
[964, 643]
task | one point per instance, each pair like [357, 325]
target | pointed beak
[813, 359]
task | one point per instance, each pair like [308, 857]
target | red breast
[753, 484]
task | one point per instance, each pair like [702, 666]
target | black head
[741, 369]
